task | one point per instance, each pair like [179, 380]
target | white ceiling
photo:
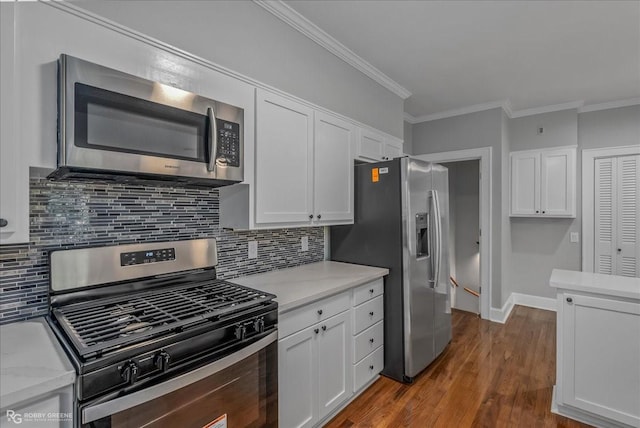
[454, 54]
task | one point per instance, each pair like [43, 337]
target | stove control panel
[148, 256]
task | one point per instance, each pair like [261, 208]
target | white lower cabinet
[598, 362]
[314, 371]
[323, 358]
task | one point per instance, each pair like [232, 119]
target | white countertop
[298, 286]
[611, 285]
[32, 362]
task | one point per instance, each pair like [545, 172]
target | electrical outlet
[575, 237]
[304, 243]
[253, 249]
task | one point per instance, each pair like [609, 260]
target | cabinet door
[392, 151]
[525, 193]
[600, 343]
[628, 216]
[284, 160]
[370, 145]
[14, 177]
[557, 193]
[297, 377]
[334, 363]
[333, 169]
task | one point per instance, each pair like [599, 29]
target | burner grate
[124, 320]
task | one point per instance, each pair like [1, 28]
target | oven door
[240, 390]
[115, 122]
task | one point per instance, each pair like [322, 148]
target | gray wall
[408, 138]
[539, 245]
[474, 130]
[245, 38]
[527, 249]
[464, 211]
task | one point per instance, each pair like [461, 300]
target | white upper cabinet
[303, 169]
[543, 183]
[333, 169]
[284, 160]
[373, 146]
[14, 181]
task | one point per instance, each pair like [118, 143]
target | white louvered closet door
[617, 216]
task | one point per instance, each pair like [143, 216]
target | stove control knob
[258, 325]
[162, 360]
[130, 372]
[241, 332]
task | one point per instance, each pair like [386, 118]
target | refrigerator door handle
[436, 256]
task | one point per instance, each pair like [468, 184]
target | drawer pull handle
[316, 331]
[371, 313]
[324, 328]
[371, 367]
[371, 340]
[371, 290]
[319, 311]
[569, 300]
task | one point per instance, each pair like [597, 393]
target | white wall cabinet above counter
[374, 146]
[303, 169]
[543, 183]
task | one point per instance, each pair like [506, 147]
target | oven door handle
[112, 407]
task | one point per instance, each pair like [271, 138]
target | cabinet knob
[619, 249]
[371, 340]
[310, 216]
[543, 212]
[371, 313]
[3, 222]
[319, 216]
[316, 331]
[537, 212]
[324, 328]
[569, 300]
[319, 311]
[371, 290]
[371, 367]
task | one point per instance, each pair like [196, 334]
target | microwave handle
[213, 139]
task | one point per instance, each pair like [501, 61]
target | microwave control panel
[228, 143]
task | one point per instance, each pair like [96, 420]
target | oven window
[110, 121]
[246, 392]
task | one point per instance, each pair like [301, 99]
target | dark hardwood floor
[490, 375]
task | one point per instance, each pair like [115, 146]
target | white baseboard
[582, 416]
[546, 303]
[501, 315]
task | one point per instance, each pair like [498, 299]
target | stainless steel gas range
[158, 341]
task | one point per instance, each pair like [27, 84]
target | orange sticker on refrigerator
[375, 176]
[219, 422]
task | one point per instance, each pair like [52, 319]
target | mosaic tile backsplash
[85, 214]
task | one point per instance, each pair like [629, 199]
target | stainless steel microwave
[115, 126]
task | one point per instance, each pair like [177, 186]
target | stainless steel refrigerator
[402, 223]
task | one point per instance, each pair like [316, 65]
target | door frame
[484, 155]
[589, 157]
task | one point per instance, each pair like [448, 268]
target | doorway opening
[464, 234]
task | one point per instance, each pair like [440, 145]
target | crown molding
[460, 111]
[291, 17]
[410, 118]
[547, 109]
[609, 105]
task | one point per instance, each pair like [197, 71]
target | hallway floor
[490, 375]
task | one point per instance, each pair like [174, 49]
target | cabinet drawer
[368, 291]
[367, 314]
[312, 313]
[367, 341]
[368, 368]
